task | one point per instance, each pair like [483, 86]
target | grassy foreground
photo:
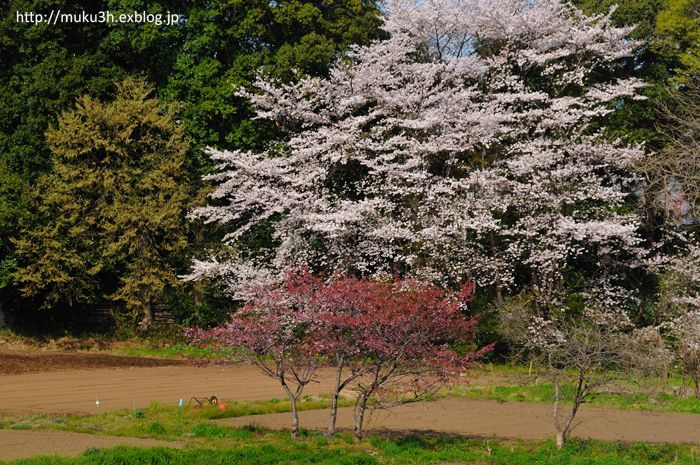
[514, 383]
[250, 446]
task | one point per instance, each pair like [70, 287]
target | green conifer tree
[111, 212]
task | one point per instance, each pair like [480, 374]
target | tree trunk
[334, 400]
[292, 400]
[696, 381]
[565, 425]
[360, 407]
[497, 282]
[560, 440]
[3, 322]
[147, 318]
[334, 415]
[499, 293]
[295, 418]
[558, 427]
[681, 391]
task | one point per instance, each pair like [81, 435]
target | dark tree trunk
[3, 321]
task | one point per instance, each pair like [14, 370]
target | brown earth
[484, 418]
[24, 444]
[14, 362]
[76, 391]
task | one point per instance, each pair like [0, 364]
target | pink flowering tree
[339, 334]
[407, 328]
[381, 337]
[391, 337]
[273, 331]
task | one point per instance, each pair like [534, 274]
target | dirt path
[502, 419]
[24, 444]
[75, 391]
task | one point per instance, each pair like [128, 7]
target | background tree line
[102, 129]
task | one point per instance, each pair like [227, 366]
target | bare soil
[23, 444]
[126, 382]
[13, 362]
[484, 418]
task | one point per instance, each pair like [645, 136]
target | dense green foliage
[14, 208]
[224, 43]
[678, 30]
[200, 61]
[670, 30]
[198, 64]
[636, 121]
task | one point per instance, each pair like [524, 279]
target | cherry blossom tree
[466, 146]
[380, 336]
[391, 337]
[406, 328]
[273, 331]
[580, 355]
[684, 335]
[679, 274]
[458, 148]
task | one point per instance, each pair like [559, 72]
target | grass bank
[158, 421]
[249, 446]
[513, 383]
